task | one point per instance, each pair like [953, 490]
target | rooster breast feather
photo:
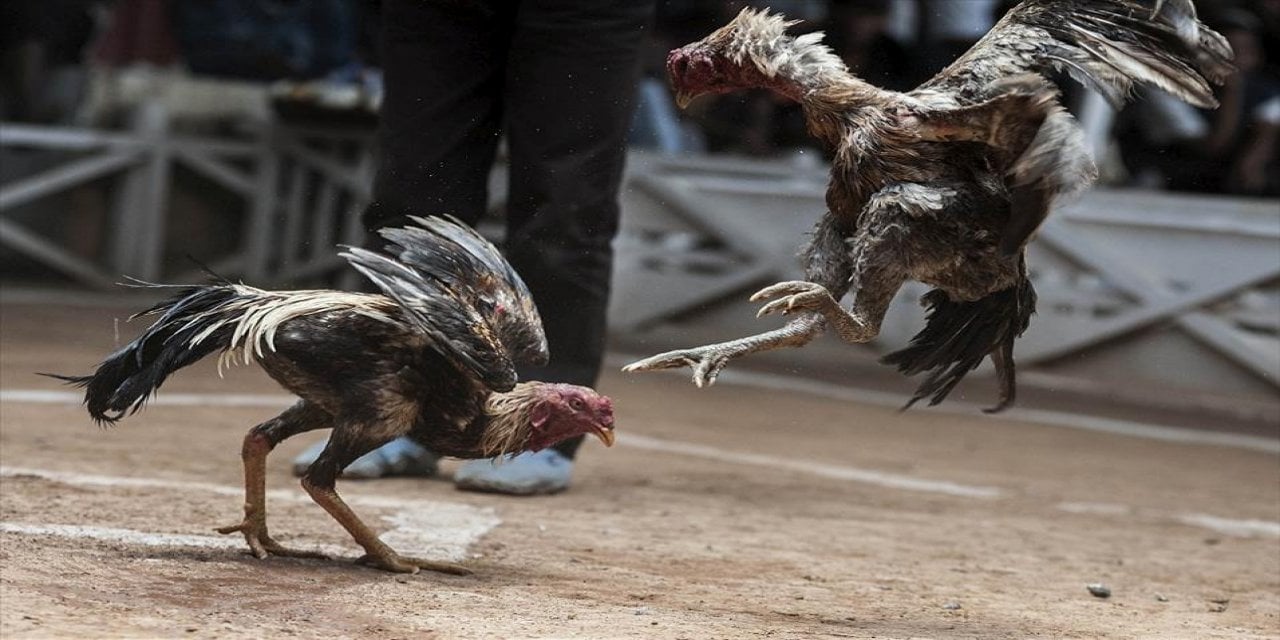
[457, 289]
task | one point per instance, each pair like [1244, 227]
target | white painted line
[1225, 526]
[830, 471]
[44, 396]
[852, 474]
[1096, 508]
[771, 382]
[147, 538]
[796, 384]
[444, 530]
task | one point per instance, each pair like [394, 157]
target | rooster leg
[257, 444]
[1002, 358]
[319, 482]
[709, 360]
[857, 325]
[828, 270]
[809, 296]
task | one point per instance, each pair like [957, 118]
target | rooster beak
[683, 99]
[605, 434]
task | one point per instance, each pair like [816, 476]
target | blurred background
[139, 134]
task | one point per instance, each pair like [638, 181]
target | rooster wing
[997, 92]
[1105, 44]
[456, 289]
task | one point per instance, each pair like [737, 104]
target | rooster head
[536, 415]
[752, 50]
[565, 411]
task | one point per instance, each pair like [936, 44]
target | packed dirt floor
[732, 512]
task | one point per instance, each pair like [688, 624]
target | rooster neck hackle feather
[802, 68]
[510, 420]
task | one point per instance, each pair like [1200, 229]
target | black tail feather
[130, 375]
[958, 335]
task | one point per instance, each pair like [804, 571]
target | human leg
[569, 94]
[443, 65]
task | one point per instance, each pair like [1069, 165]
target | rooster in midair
[947, 183]
[433, 357]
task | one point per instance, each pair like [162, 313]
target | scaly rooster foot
[796, 296]
[706, 363]
[397, 563]
[262, 545]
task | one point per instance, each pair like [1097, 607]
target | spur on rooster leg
[944, 184]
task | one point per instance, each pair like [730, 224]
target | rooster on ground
[433, 358]
[947, 183]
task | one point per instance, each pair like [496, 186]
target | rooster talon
[704, 375]
[261, 544]
[706, 362]
[774, 290]
[669, 360]
[771, 307]
[396, 563]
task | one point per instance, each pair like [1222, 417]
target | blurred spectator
[42, 45]
[1245, 126]
[138, 32]
[948, 28]
[1268, 12]
[266, 39]
[859, 31]
[1232, 149]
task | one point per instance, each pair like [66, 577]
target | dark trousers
[558, 77]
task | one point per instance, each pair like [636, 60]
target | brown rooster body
[947, 183]
[433, 359]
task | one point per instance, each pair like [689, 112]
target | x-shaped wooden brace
[1159, 304]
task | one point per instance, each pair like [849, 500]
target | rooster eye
[576, 404]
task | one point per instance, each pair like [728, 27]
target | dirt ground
[726, 513]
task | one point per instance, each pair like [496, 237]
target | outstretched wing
[1106, 44]
[456, 288]
[998, 92]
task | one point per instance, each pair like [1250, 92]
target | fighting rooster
[947, 183]
[434, 358]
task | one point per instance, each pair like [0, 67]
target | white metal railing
[1170, 290]
[1174, 290]
[292, 179]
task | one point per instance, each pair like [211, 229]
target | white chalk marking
[1096, 508]
[752, 379]
[852, 474]
[1164, 433]
[771, 382]
[44, 396]
[146, 538]
[835, 472]
[421, 527]
[1225, 526]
